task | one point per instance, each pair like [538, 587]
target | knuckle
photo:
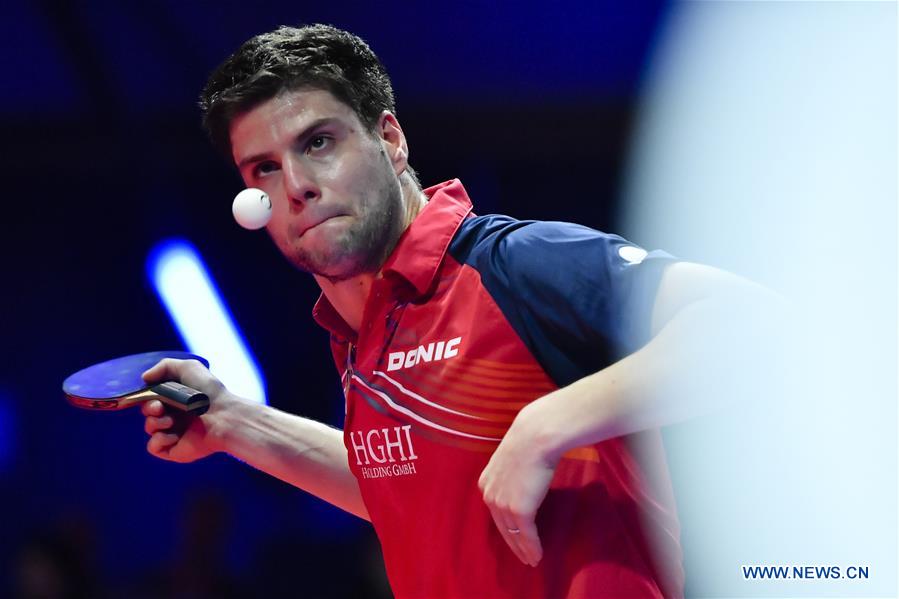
[496, 507]
[217, 385]
[157, 442]
[516, 511]
[521, 508]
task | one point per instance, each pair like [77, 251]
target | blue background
[531, 104]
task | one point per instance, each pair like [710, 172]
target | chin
[344, 254]
[333, 268]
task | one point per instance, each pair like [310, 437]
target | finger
[154, 423]
[190, 372]
[500, 522]
[529, 540]
[164, 370]
[522, 549]
[153, 407]
[501, 516]
[181, 421]
[523, 530]
[160, 443]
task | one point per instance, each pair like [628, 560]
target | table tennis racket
[117, 384]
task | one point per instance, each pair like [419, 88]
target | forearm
[707, 327]
[302, 452]
[689, 368]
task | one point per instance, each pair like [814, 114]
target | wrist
[539, 422]
[567, 419]
[226, 421]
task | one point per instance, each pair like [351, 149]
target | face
[337, 204]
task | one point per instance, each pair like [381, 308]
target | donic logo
[432, 352]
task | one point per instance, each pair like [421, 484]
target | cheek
[369, 188]
[277, 227]
[280, 208]
[355, 172]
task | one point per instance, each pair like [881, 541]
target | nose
[299, 182]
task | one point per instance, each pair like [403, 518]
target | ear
[394, 141]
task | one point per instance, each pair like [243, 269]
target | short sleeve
[579, 298]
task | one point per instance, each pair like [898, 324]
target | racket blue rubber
[116, 384]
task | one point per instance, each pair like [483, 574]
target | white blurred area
[767, 146]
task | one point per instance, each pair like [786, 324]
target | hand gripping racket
[116, 384]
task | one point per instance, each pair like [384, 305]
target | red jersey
[474, 318]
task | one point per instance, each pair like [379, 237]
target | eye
[317, 143]
[264, 168]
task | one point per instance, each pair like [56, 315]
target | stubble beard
[365, 246]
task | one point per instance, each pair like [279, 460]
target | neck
[349, 296]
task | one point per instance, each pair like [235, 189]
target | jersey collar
[419, 252]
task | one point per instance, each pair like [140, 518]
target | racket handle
[181, 397]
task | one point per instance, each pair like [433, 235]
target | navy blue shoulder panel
[580, 299]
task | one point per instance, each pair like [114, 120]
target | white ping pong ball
[252, 208]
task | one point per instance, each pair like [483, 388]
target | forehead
[282, 117]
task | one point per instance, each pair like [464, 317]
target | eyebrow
[304, 134]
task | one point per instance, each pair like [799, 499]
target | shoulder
[477, 232]
[563, 284]
[501, 245]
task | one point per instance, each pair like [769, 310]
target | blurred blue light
[201, 317]
[7, 433]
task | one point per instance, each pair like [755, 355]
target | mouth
[305, 229]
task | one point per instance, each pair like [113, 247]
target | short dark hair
[290, 58]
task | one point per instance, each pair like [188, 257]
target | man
[502, 377]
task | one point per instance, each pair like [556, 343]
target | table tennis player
[504, 379]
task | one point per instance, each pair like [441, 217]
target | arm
[701, 319]
[705, 322]
[304, 453]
